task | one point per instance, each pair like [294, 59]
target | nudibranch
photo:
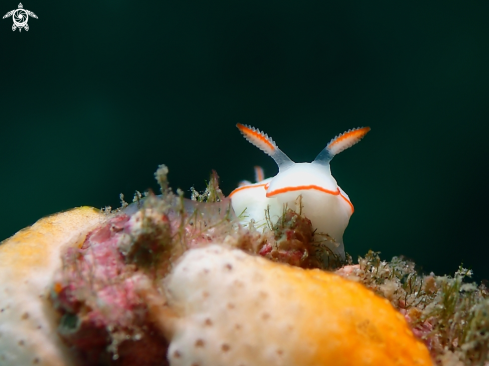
[321, 199]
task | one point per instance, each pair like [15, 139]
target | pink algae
[96, 292]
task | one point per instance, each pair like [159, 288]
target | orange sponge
[238, 309]
[222, 307]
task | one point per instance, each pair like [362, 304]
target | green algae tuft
[449, 313]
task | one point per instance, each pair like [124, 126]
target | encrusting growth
[449, 314]
[173, 281]
[238, 309]
[28, 261]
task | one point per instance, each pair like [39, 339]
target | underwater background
[98, 93]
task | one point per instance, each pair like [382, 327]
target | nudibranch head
[321, 199]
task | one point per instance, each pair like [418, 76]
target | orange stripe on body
[348, 201]
[355, 134]
[246, 187]
[317, 188]
[300, 188]
[255, 134]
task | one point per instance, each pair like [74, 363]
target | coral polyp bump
[321, 199]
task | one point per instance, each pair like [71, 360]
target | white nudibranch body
[322, 201]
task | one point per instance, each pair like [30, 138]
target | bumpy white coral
[243, 310]
[230, 316]
[28, 261]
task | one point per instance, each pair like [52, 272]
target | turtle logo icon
[20, 17]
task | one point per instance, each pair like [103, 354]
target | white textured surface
[28, 261]
[231, 313]
[236, 309]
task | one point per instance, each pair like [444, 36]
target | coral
[103, 316]
[167, 280]
[239, 309]
[103, 287]
[28, 261]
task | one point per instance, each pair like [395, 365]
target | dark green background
[97, 94]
